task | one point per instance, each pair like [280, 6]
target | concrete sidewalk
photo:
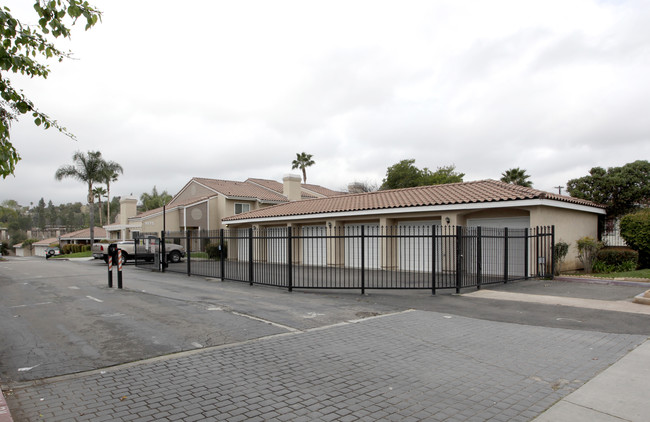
[620, 393]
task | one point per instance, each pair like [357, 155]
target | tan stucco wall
[192, 190]
[154, 223]
[570, 226]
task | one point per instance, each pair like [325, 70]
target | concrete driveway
[187, 348]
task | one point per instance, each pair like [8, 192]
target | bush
[560, 249]
[29, 242]
[616, 260]
[635, 229]
[67, 249]
[212, 249]
[588, 248]
[4, 248]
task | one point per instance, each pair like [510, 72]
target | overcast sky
[234, 89]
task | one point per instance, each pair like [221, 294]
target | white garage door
[242, 244]
[276, 244]
[493, 250]
[414, 245]
[314, 245]
[370, 245]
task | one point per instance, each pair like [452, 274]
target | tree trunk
[108, 202]
[91, 212]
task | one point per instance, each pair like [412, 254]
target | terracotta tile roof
[279, 188]
[241, 189]
[85, 234]
[481, 191]
[46, 242]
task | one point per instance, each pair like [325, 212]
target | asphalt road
[59, 317]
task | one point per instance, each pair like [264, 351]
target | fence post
[163, 255]
[479, 258]
[505, 257]
[459, 257]
[526, 240]
[290, 257]
[433, 259]
[222, 264]
[552, 252]
[119, 268]
[250, 255]
[188, 240]
[363, 259]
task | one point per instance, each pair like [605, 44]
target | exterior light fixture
[447, 220]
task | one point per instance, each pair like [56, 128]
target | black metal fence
[363, 256]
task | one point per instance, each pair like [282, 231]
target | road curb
[5, 414]
[612, 282]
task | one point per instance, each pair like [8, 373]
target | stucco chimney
[128, 208]
[291, 187]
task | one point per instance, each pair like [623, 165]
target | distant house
[485, 203]
[39, 248]
[202, 203]
[82, 237]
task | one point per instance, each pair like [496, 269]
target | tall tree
[87, 168]
[516, 176]
[406, 175]
[99, 192]
[154, 199]
[621, 189]
[40, 211]
[302, 161]
[111, 171]
[21, 48]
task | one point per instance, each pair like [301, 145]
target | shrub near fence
[367, 257]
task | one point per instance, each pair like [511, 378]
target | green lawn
[627, 274]
[86, 254]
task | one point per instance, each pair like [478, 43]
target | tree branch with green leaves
[22, 49]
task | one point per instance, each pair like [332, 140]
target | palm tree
[87, 168]
[517, 176]
[302, 161]
[110, 170]
[99, 192]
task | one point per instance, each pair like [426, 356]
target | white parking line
[95, 299]
[30, 304]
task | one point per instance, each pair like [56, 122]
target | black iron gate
[363, 257]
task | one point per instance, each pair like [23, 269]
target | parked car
[52, 251]
[175, 253]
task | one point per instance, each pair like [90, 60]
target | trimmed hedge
[635, 229]
[212, 249]
[612, 260]
[73, 248]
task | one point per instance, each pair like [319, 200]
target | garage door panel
[493, 252]
[353, 245]
[314, 245]
[414, 245]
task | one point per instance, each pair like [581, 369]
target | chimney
[128, 208]
[291, 187]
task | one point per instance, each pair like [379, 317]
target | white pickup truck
[101, 251]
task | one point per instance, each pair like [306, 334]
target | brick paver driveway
[407, 366]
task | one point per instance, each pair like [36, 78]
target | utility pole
[559, 189]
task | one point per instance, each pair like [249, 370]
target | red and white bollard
[110, 271]
[119, 269]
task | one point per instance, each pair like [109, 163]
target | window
[240, 208]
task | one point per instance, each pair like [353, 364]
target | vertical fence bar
[433, 259]
[459, 255]
[222, 258]
[526, 253]
[363, 258]
[505, 256]
[553, 252]
[250, 256]
[188, 240]
[479, 258]
[290, 257]
[163, 257]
